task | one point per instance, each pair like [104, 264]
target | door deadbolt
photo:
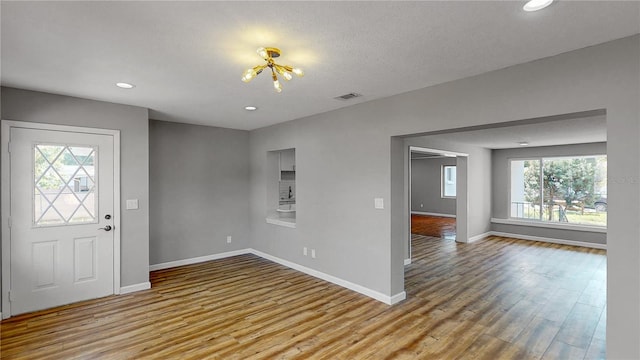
[107, 216]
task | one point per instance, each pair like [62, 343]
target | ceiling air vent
[348, 96]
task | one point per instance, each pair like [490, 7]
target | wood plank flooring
[436, 226]
[497, 298]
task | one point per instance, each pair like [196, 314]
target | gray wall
[354, 150]
[199, 177]
[32, 106]
[500, 208]
[337, 179]
[426, 186]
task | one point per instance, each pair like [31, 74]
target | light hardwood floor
[498, 298]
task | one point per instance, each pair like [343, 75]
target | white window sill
[286, 222]
[550, 225]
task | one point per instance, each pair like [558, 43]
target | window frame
[443, 180]
[540, 221]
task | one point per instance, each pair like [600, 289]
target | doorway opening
[541, 180]
[433, 195]
[437, 182]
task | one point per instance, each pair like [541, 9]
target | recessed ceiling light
[535, 5]
[124, 85]
[523, 143]
[250, 108]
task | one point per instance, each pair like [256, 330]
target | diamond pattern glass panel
[64, 185]
[81, 216]
[50, 217]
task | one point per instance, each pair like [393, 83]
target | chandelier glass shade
[268, 54]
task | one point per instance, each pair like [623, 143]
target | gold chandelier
[268, 54]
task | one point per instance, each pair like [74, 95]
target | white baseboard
[549, 240]
[390, 300]
[479, 237]
[135, 287]
[199, 259]
[407, 261]
[398, 297]
[433, 214]
[538, 238]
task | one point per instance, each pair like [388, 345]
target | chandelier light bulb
[248, 75]
[298, 72]
[282, 70]
[263, 53]
[276, 83]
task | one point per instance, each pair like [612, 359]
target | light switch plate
[378, 203]
[132, 204]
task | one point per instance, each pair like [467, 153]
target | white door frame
[5, 196]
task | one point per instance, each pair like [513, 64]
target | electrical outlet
[304, 251]
[229, 239]
[313, 253]
[421, 205]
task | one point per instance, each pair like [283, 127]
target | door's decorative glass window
[64, 184]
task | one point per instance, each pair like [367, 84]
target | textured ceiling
[186, 58]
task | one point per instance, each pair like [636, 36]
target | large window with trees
[560, 190]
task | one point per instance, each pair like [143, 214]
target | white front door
[62, 201]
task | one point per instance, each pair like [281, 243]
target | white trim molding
[436, 151]
[549, 240]
[407, 262]
[397, 298]
[389, 300]
[479, 237]
[199, 259]
[433, 214]
[290, 223]
[538, 238]
[135, 287]
[550, 225]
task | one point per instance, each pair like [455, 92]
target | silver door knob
[106, 228]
